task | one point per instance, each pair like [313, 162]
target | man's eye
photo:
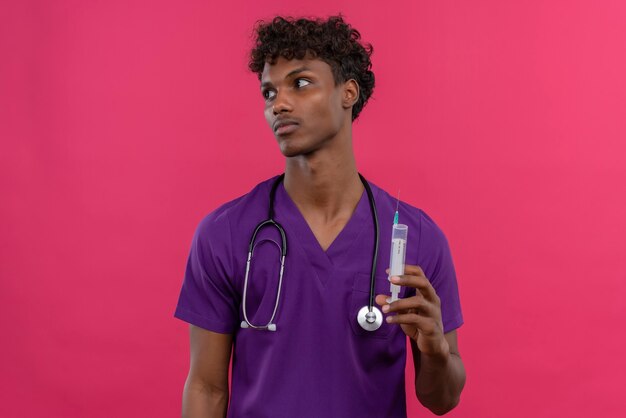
[299, 80]
[267, 94]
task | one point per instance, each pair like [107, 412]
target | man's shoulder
[386, 203]
[409, 214]
[237, 210]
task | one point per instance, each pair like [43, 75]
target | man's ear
[351, 93]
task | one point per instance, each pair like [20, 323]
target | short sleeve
[207, 297]
[435, 260]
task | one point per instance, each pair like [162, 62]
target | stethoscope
[369, 317]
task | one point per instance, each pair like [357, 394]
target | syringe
[398, 252]
[396, 260]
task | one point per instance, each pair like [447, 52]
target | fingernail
[395, 279]
[389, 319]
[386, 308]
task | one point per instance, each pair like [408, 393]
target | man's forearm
[440, 381]
[203, 402]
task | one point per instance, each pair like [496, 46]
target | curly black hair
[333, 41]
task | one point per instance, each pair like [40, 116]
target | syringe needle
[395, 216]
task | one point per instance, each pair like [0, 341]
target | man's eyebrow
[291, 73]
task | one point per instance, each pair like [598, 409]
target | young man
[299, 349]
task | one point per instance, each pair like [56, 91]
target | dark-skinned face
[303, 93]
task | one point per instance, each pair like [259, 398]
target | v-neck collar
[301, 236]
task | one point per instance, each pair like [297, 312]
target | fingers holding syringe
[414, 277]
[413, 305]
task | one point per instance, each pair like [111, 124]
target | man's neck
[325, 185]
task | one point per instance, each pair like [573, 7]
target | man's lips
[286, 128]
[284, 125]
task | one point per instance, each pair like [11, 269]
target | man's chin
[299, 146]
[292, 153]
[290, 150]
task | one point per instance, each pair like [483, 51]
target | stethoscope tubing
[370, 195]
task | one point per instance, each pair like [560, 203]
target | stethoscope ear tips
[270, 327]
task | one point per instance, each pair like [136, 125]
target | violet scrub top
[319, 362]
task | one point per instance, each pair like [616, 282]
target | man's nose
[281, 103]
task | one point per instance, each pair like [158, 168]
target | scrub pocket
[360, 298]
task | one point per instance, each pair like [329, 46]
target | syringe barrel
[400, 231]
[398, 249]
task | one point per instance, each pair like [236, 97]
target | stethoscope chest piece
[370, 320]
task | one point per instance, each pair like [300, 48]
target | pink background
[122, 123]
